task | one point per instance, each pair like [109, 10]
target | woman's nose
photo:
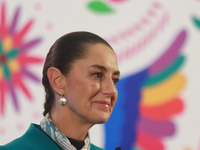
[109, 88]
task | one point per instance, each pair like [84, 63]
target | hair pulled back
[62, 54]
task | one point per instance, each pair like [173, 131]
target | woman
[79, 76]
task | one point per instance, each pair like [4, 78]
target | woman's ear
[57, 80]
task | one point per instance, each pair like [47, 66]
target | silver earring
[62, 100]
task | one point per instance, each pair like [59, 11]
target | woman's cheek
[95, 87]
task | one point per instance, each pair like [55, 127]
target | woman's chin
[102, 118]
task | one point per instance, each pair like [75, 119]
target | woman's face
[91, 85]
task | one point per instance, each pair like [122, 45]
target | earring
[62, 100]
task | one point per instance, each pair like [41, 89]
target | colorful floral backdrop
[157, 45]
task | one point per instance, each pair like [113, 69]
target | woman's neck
[70, 124]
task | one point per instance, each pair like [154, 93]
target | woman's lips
[103, 103]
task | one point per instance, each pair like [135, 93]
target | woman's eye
[97, 74]
[115, 80]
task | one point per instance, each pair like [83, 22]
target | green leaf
[12, 54]
[6, 72]
[100, 7]
[1, 50]
[196, 21]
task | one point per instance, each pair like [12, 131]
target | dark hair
[63, 53]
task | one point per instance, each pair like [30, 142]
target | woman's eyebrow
[116, 73]
[99, 66]
[104, 68]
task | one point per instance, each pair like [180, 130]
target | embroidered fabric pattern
[50, 129]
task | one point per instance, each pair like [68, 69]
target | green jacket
[35, 139]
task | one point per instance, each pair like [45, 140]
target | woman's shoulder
[13, 145]
[93, 147]
[2, 148]
[33, 139]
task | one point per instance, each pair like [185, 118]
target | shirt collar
[50, 129]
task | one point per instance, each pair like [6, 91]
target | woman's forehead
[99, 55]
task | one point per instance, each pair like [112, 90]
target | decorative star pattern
[14, 58]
